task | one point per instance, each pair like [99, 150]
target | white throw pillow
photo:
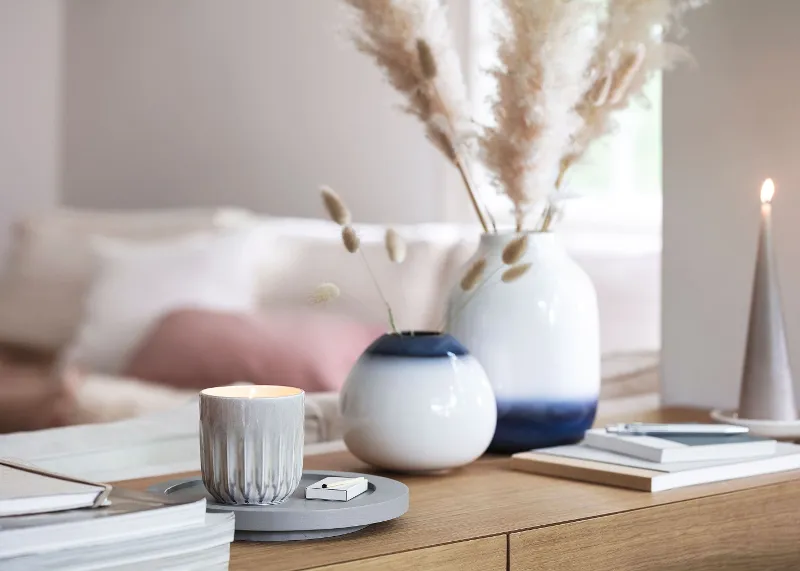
[136, 284]
[49, 266]
[416, 289]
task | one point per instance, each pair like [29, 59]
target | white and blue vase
[417, 403]
[538, 338]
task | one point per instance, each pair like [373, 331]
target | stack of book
[663, 462]
[48, 521]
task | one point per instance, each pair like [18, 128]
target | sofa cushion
[197, 349]
[49, 264]
[136, 284]
[34, 396]
[306, 252]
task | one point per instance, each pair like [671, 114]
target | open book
[26, 489]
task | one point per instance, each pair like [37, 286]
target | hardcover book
[681, 447]
[580, 462]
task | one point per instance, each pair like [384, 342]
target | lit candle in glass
[767, 392]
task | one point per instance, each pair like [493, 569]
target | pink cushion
[34, 396]
[194, 348]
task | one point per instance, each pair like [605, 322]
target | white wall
[30, 50]
[247, 102]
[728, 124]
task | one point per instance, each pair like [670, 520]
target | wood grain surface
[487, 554]
[482, 500]
[747, 530]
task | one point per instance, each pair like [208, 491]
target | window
[619, 179]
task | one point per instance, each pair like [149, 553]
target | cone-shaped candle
[767, 392]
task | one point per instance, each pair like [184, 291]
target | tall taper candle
[767, 392]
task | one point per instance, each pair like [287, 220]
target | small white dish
[778, 429]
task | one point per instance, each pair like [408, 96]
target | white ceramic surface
[538, 338]
[418, 413]
[251, 443]
[779, 429]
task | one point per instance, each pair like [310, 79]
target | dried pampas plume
[545, 48]
[473, 275]
[410, 41]
[325, 292]
[350, 239]
[395, 246]
[335, 206]
[515, 272]
[515, 249]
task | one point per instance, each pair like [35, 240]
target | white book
[580, 462]
[128, 515]
[681, 447]
[29, 490]
[139, 553]
[213, 559]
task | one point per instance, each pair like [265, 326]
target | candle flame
[767, 191]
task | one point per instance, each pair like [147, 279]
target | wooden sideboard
[486, 517]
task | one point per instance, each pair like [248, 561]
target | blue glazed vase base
[524, 425]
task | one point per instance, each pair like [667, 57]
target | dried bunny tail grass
[410, 41]
[515, 272]
[474, 274]
[325, 292]
[545, 49]
[515, 249]
[395, 246]
[350, 239]
[335, 206]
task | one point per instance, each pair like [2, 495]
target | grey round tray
[298, 518]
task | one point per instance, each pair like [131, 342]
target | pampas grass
[545, 47]
[564, 68]
[395, 246]
[410, 41]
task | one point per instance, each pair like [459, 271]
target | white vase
[538, 338]
[417, 403]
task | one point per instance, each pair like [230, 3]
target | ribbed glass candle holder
[251, 443]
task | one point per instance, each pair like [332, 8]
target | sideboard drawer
[757, 528]
[487, 554]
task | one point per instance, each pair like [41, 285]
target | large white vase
[538, 339]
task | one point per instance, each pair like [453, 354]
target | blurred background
[254, 103]
[148, 118]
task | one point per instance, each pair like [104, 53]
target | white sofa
[49, 268]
